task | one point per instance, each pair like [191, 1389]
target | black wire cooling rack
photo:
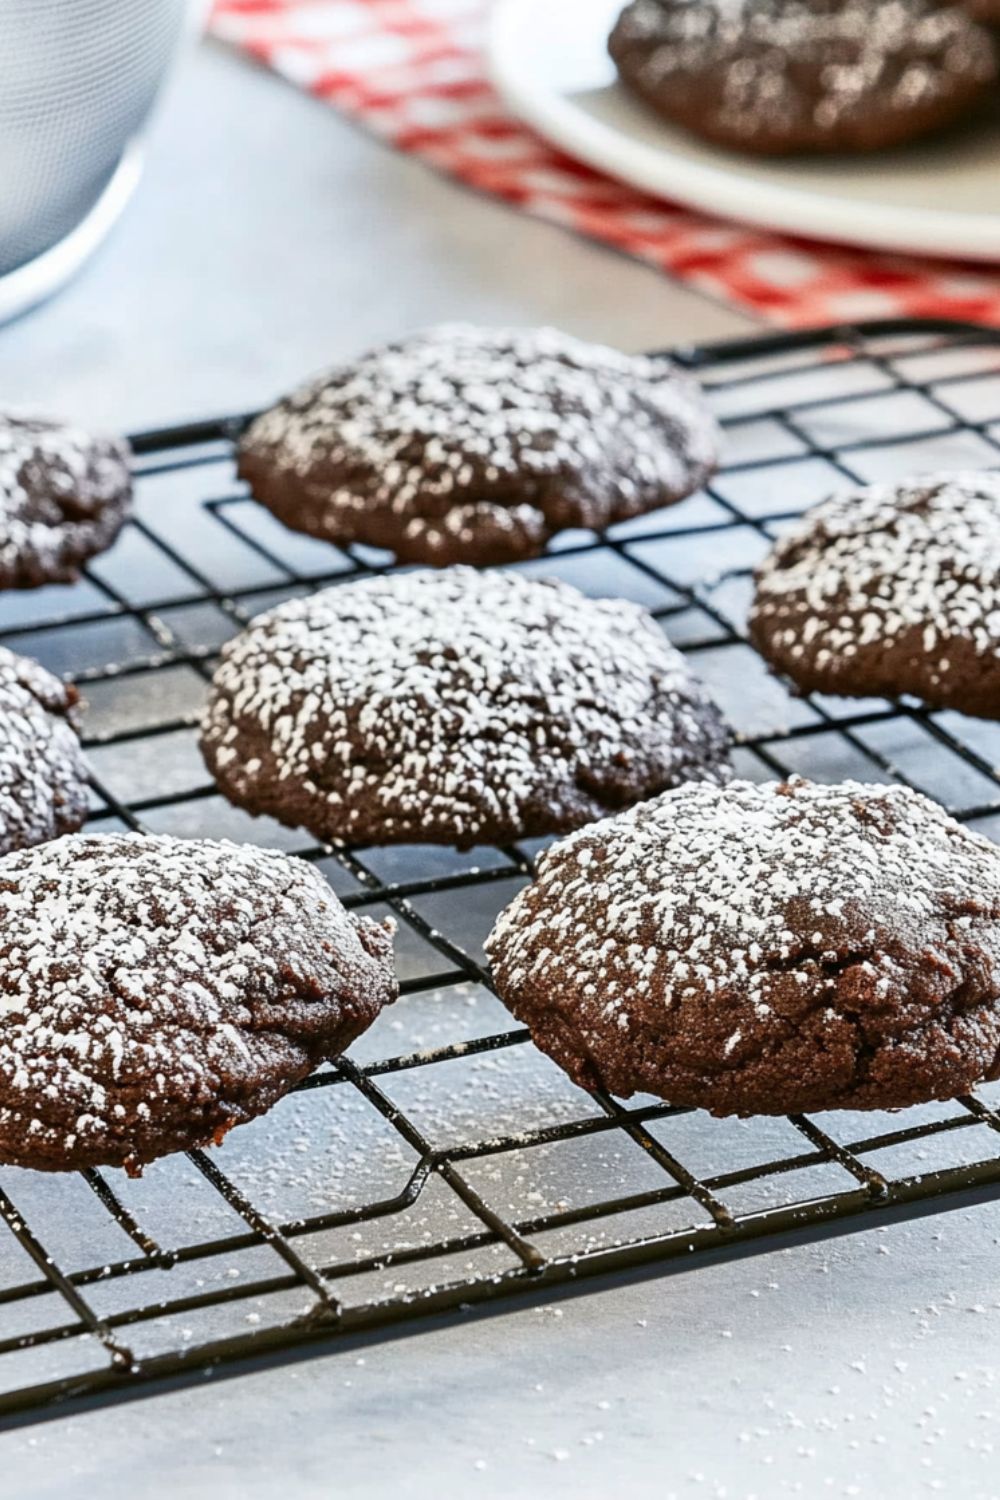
[446, 1164]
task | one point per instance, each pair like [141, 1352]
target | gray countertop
[270, 237]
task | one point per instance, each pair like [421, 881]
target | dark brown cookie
[764, 950]
[782, 76]
[890, 589]
[43, 778]
[454, 707]
[64, 497]
[476, 445]
[157, 992]
[985, 11]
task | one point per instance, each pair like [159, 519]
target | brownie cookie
[986, 11]
[43, 778]
[783, 76]
[476, 445]
[457, 708]
[890, 589]
[764, 950]
[157, 992]
[64, 497]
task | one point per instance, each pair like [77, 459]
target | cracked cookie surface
[476, 445]
[155, 992]
[785, 76]
[454, 707]
[64, 496]
[890, 589]
[43, 778]
[764, 950]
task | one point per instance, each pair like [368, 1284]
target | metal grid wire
[446, 1163]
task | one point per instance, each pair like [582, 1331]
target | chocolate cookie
[157, 992]
[986, 11]
[64, 497]
[890, 589]
[476, 445]
[783, 76]
[764, 950]
[43, 778]
[456, 708]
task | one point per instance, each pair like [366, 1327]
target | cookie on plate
[476, 445]
[43, 778]
[64, 497]
[986, 11]
[764, 950]
[890, 589]
[454, 707]
[157, 992]
[784, 76]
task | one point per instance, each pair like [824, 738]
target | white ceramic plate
[549, 60]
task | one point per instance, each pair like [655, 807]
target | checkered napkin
[412, 71]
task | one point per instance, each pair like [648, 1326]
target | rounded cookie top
[43, 777]
[454, 707]
[890, 589]
[764, 950]
[475, 445]
[64, 497]
[156, 992]
[774, 76]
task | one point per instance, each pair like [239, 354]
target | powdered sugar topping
[486, 440]
[440, 705]
[152, 988]
[915, 565]
[43, 778]
[63, 497]
[714, 892]
[785, 65]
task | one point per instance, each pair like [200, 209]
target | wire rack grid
[445, 1164]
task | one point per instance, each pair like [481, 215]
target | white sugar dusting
[768, 68]
[446, 705]
[43, 777]
[887, 584]
[725, 897]
[64, 495]
[480, 443]
[153, 990]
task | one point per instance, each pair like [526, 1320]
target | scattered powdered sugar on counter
[43, 778]
[456, 706]
[155, 991]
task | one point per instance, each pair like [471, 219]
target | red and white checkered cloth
[412, 71]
